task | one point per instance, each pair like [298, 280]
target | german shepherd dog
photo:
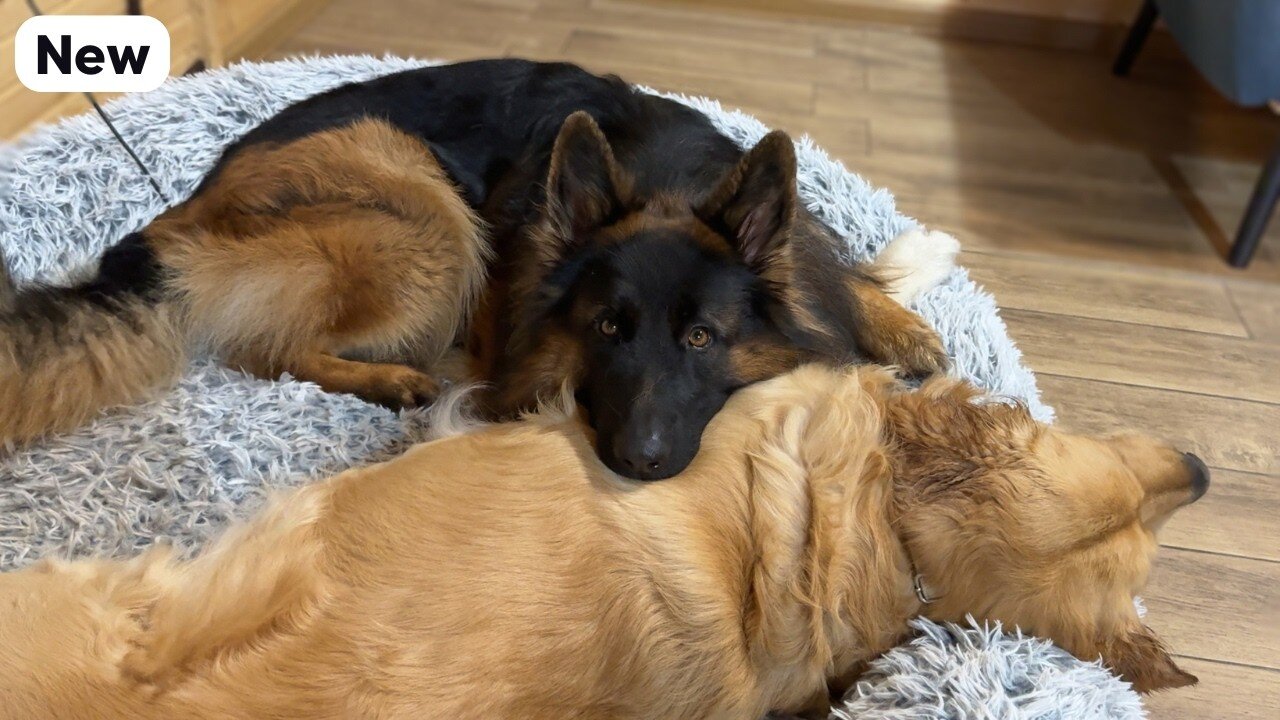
[775, 566]
[562, 228]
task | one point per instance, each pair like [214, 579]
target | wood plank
[248, 28]
[712, 56]
[67, 105]
[1118, 210]
[184, 34]
[332, 42]
[1216, 191]
[688, 21]
[1163, 300]
[476, 29]
[1227, 433]
[1104, 11]
[962, 186]
[1225, 691]
[1053, 231]
[15, 12]
[848, 140]
[754, 95]
[1147, 356]
[981, 84]
[979, 122]
[23, 107]
[982, 24]
[1206, 606]
[459, 23]
[209, 46]
[1238, 516]
[835, 100]
[1259, 305]
[1026, 148]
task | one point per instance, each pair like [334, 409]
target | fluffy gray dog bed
[183, 465]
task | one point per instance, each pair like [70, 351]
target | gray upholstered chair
[1236, 45]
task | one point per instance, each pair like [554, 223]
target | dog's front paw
[912, 346]
[916, 261]
[398, 387]
[890, 334]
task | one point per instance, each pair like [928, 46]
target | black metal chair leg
[1261, 205]
[1137, 37]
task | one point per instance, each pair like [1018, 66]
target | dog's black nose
[647, 455]
[646, 458]
[1199, 475]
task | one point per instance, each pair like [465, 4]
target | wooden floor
[1093, 208]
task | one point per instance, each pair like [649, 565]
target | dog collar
[918, 583]
[922, 591]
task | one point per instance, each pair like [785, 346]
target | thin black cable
[35, 10]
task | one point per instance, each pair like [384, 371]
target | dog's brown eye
[699, 337]
[608, 328]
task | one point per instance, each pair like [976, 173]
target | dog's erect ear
[1140, 658]
[584, 182]
[755, 204]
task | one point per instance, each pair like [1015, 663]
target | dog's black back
[480, 117]
[490, 119]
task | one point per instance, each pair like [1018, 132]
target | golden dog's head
[1012, 520]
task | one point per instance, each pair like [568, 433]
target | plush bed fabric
[181, 466]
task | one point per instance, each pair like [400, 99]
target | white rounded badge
[92, 53]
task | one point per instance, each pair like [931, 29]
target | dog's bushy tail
[66, 353]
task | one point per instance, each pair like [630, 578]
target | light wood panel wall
[200, 31]
[22, 107]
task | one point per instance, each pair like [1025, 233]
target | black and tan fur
[348, 240]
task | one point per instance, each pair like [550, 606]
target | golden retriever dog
[504, 572]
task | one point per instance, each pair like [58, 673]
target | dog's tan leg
[912, 263]
[395, 386]
[348, 303]
[893, 335]
[389, 384]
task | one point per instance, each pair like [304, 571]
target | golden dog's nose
[1199, 475]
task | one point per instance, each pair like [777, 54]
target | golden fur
[506, 573]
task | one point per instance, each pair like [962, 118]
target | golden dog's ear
[946, 424]
[755, 204]
[584, 184]
[1139, 657]
[813, 490]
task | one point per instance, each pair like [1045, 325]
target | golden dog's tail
[66, 353]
